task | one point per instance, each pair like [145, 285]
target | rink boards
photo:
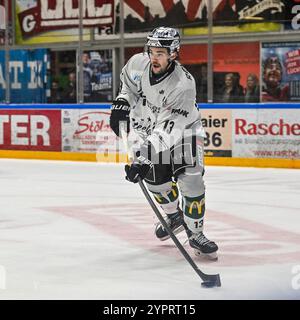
[236, 135]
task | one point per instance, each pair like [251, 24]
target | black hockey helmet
[164, 37]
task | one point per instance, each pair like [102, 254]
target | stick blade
[214, 281]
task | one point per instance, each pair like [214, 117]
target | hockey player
[157, 99]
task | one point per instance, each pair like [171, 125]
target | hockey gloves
[119, 113]
[138, 169]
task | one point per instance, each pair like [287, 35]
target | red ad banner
[292, 62]
[36, 130]
[88, 130]
[48, 15]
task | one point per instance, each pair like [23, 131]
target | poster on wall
[217, 125]
[35, 130]
[266, 133]
[28, 76]
[46, 21]
[280, 72]
[97, 76]
[88, 131]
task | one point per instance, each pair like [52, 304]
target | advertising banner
[28, 75]
[46, 21]
[217, 125]
[280, 72]
[267, 10]
[88, 131]
[240, 16]
[266, 133]
[36, 130]
[292, 15]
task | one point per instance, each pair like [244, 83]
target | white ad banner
[218, 128]
[88, 131]
[266, 133]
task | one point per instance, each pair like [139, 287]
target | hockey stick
[209, 280]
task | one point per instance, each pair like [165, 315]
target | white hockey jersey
[163, 110]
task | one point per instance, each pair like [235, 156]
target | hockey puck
[208, 284]
[214, 281]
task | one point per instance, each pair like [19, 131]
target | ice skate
[174, 221]
[202, 246]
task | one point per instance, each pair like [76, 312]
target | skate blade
[176, 231]
[210, 256]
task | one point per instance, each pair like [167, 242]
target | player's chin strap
[209, 280]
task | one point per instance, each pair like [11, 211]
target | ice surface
[78, 230]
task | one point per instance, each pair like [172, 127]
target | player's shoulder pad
[183, 83]
[137, 65]
[182, 74]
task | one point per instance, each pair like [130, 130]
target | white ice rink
[71, 230]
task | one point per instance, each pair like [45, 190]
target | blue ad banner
[28, 76]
